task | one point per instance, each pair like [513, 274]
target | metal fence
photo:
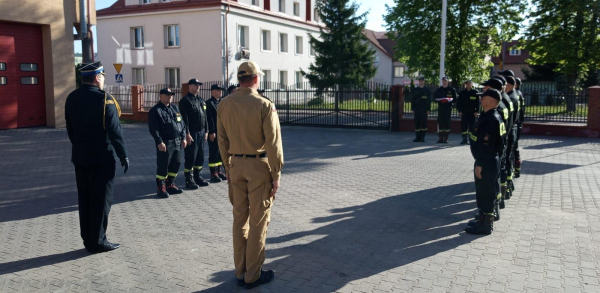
[366, 106]
[123, 96]
[544, 102]
[152, 95]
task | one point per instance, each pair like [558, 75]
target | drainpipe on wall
[227, 44]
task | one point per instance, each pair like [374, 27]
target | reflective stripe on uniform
[509, 177]
[172, 174]
[466, 132]
[213, 165]
[503, 184]
[187, 170]
[499, 196]
[473, 137]
[197, 167]
[161, 177]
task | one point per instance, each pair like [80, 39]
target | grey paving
[359, 211]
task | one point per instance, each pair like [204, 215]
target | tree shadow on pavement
[363, 241]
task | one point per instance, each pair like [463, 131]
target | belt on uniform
[263, 155]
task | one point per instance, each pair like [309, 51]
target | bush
[318, 101]
[535, 99]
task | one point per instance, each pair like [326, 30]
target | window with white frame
[266, 40]
[172, 77]
[283, 78]
[299, 80]
[267, 79]
[282, 6]
[515, 52]
[311, 50]
[398, 71]
[283, 43]
[145, 1]
[255, 2]
[296, 9]
[243, 36]
[138, 76]
[317, 18]
[137, 37]
[172, 36]
[299, 45]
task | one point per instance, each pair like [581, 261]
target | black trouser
[420, 120]
[467, 123]
[444, 116]
[194, 153]
[214, 156]
[95, 195]
[488, 187]
[168, 163]
[516, 150]
[510, 159]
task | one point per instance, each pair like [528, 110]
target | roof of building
[381, 41]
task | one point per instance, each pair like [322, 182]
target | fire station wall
[56, 18]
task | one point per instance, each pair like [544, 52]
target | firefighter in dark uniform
[167, 128]
[445, 96]
[512, 132]
[193, 111]
[519, 128]
[487, 143]
[420, 98]
[468, 108]
[509, 124]
[94, 130]
[215, 163]
[232, 89]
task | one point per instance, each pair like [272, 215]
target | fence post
[137, 98]
[593, 119]
[397, 98]
[337, 105]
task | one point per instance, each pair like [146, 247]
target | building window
[2, 66]
[316, 15]
[172, 36]
[267, 79]
[243, 36]
[296, 9]
[29, 67]
[515, 52]
[137, 37]
[255, 3]
[138, 76]
[266, 40]
[283, 43]
[299, 80]
[398, 71]
[166, 0]
[311, 51]
[146, 1]
[299, 45]
[172, 77]
[283, 79]
[282, 6]
[2, 80]
[29, 80]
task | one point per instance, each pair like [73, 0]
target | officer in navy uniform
[166, 127]
[215, 163]
[420, 98]
[487, 143]
[509, 124]
[468, 108]
[232, 89]
[512, 132]
[94, 130]
[445, 96]
[519, 127]
[193, 111]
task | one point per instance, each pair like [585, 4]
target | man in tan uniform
[250, 144]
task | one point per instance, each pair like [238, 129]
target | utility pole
[443, 44]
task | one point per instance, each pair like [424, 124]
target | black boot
[502, 202]
[517, 168]
[423, 132]
[214, 176]
[464, 139]
[220, 172]
[504, 192]
[478, 219]
[189, 182]
[441, 138]
[171, 187]
[446, 134]
[161, 189]
[484, 227]
[510, 185]
[198, 179]
[496, 210]
[417, 136]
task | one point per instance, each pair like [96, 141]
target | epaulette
[111, 101]
[265, 98]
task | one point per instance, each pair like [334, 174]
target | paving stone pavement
[358, 211]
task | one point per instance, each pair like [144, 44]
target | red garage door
[22, 90]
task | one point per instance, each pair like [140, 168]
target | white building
[171, 41]
[390, 71]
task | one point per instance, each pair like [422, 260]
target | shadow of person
[41, 261]
[362, 241]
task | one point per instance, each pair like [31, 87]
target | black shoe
[484, 227]
[241, 282]
[423, 136]
[502, 204]
[173, 189]
[508, 194]
[496, 211]
[198, 179]
[511, 185]
[464, 141]
[418, 137]
[215, 178]
[104, 248]
[222, 176]
[161, 190]
[440, 141]
[265, 277]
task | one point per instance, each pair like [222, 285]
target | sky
[375, 21]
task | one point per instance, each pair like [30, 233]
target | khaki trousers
[249, 192]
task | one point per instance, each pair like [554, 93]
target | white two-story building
[171, 41]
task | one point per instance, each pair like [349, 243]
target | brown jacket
[248, 124]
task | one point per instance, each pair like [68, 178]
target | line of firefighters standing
[510, 109]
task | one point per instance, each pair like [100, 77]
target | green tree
[77, 75]
[475, 30]
[565, 32]
[343, 56]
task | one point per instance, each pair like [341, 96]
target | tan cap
[249, 68]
